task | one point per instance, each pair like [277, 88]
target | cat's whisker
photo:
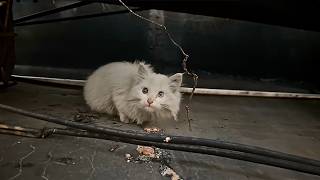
[165, 107]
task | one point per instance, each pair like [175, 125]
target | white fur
[116, 89]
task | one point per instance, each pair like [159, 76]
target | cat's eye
[160, 94]
[145, 90]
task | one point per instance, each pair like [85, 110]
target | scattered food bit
[167, 171]
[167, 139]
[113, 148]
[146, 151]
[129, 157]
[85, 117]
[148, 154]
[152, 130]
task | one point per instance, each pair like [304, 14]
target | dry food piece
[167, 171]
[146, 151]
[167, 139]
[152, 130]
[128, 157]
[113, 148]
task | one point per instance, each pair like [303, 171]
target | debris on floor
[167, 171]
[147, 154]
[85, 117]
[113, 148]
[128, 157]
[167, 139]
[146, 151]
[64, 161]
[152, 130]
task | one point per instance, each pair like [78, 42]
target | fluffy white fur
[119, 88]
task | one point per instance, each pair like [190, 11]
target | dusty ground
[287, 125]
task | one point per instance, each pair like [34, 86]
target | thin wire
[184, 61]
[21, 162]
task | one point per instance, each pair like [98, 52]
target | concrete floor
[287, 125]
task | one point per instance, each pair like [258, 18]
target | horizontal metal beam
[198, 91]
[51, 11]
[294, 13]
[76, 17]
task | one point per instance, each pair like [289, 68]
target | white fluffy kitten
[133, 92]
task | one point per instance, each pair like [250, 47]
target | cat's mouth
[149, 108]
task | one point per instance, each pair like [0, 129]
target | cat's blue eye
[145, 90]
[160, 94]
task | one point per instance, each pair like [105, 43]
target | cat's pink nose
[150, 101]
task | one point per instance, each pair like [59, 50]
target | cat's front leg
[175, 117]
[124, 118]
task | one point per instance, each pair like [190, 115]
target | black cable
[203, 150]
[46, 132]
[173, 139]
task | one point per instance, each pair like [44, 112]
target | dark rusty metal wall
[7, 45]
[215, 45]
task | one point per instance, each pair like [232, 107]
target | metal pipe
[52, 11]
[76, 17]
[7, 17]
[198, 91]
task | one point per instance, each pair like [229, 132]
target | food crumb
[167, 171]
[152, 130]
[147, 151]
[128, 156]
[167, 139]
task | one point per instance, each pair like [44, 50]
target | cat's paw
[124, 118]
[175, 117]
[139, 122]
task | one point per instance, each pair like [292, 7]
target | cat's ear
[175, 81]
[142, 73]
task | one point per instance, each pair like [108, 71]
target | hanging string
[184, 61]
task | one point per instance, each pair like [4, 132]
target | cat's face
[156, 92]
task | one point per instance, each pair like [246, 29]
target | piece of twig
[21, 161]
[27, 132]
[19, 131]
[113, 148]
[184, 61]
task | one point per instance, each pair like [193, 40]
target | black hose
[274, 156]
[203, 150]
[44, 133]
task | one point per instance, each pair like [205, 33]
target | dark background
[218, 48]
